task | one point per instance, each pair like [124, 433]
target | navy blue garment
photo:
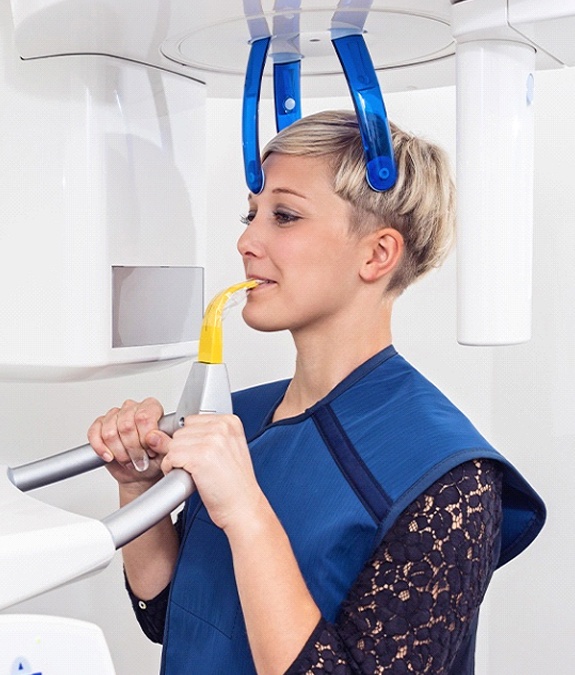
[337, 476]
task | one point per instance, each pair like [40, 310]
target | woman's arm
[151, 614]
[279, 611]
[121, 437]
[150, 560]
[413, 604]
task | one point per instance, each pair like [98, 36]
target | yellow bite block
[211, 339]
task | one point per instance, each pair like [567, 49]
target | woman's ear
[385, 249]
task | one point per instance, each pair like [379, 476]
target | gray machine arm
[66, 464]
[207, 390]
[126, 523]
[148, 509]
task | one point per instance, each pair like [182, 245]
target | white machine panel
[52, 645]
[412, 44]
[210, 40]
[549, 25]
[43, 547]
[103, 167]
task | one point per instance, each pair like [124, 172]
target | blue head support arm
[350, 47]
[358, 68]
[286, 57]
[250, 114]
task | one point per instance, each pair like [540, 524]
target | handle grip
[148, 509]
[250, 114]
[66, 464]
[207, 389]
[126, 523]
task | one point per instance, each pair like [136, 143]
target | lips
[262, 281]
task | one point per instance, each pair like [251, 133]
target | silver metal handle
[66, 464]
[148, 509]
[207, 390]
[130, 521]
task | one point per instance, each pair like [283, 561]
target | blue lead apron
[337, 476]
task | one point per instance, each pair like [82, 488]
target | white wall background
[522, 398]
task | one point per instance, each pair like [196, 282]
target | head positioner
[346, 35]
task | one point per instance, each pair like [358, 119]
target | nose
[249, 244]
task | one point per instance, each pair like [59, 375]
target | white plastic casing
[103, 167]
[210, 40]
[40, 645]
[495, 78]
[43, 547]
[550, 25]
[495, 123]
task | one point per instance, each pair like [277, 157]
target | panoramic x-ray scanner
[43, 547]
[103, 160]
[104, 166]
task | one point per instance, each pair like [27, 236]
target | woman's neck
[324, 360]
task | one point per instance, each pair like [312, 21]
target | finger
[205, 425]
[135, 420]
[130, 437]
[168, 464]
[147, 415]
[96, 441]
[111, 436]
[141, 419]
[219, 428]
[127, 430]
[221, 421]
[157, 442]
[182, 452]
[191, 420]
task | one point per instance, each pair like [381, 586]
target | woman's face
[297, 239]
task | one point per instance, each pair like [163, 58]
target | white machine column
[495, 123]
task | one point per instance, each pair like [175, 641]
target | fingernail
[141, 464]
[107, 456]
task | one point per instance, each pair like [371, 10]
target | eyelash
[281, 217]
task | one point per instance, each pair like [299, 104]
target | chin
[264, 324]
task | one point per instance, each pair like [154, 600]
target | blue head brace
[349, 44]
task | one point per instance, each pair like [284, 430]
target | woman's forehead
[298, 175]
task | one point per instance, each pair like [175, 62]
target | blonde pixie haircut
[421, 205]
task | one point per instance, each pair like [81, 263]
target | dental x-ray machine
[105, 102]
[43, 547]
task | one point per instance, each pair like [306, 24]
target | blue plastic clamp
[250, 114]
[287, 93]
[370, 110]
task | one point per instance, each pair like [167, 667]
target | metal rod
[148, 509]
[65, 464]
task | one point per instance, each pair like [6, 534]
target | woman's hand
[214, 451]
[121, 438]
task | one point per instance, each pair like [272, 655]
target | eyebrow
[281, 190]
[288, 191]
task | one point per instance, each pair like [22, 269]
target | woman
[348, 520]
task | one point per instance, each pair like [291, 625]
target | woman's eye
[247, 219]
[285, 218]
[280, 217]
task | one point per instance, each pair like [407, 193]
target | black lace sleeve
[151, 614]
[413, 603]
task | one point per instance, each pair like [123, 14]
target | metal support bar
[64, 465]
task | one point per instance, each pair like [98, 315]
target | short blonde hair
[421, 205]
